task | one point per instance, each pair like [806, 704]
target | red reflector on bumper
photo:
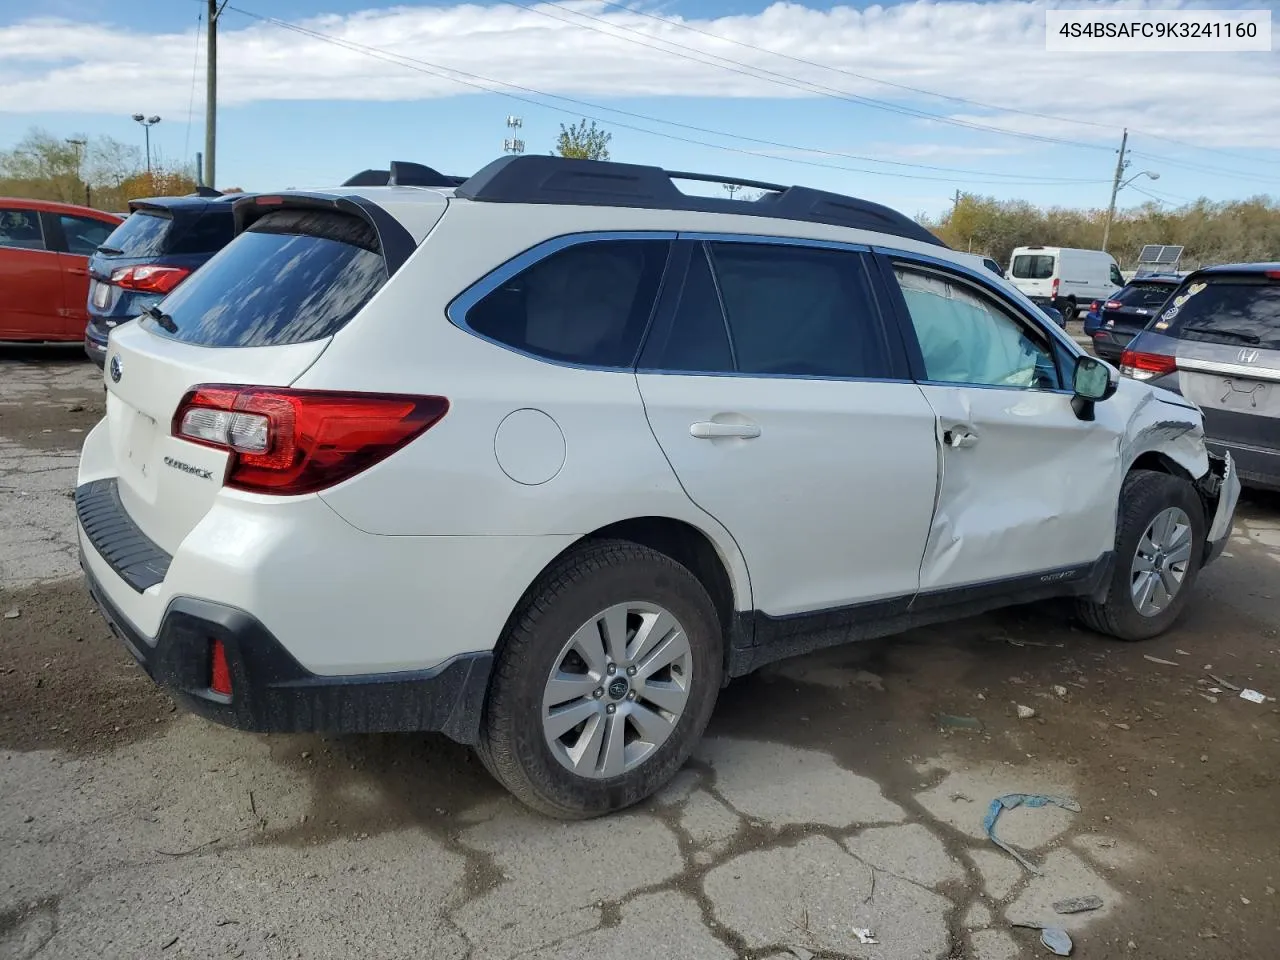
[219, 670]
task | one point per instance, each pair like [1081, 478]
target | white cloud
[991, 52]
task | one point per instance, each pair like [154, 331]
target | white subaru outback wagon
[542, 458]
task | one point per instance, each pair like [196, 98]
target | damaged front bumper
[1220, 491]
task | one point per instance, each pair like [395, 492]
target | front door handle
[712, 430]
[959, 438]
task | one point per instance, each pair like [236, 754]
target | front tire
[605, 680]
[1160, 535]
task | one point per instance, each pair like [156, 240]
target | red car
[44, 267]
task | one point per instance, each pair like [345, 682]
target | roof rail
[403, 174]
[531, 178]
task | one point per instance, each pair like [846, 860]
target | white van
[1063, 276]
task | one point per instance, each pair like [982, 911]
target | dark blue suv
[160, 244]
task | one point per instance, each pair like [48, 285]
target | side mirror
[1092, 382]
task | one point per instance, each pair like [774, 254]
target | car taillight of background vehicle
[149, 279]
[1054, 291]
[285, 441]
[1146, 366]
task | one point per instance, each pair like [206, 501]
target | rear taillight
[1273, 274]
[1114, 305]
[149, 279]
[1093, 307]
[1053, 292]
[298, 441]
[1146, 366]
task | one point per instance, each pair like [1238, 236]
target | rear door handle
[711, 430]
[959, 438]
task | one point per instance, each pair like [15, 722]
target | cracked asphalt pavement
[838, 792]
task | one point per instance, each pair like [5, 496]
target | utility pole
[1121, 163]
[211, 91]
[955, 204]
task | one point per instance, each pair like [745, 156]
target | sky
[903, 103]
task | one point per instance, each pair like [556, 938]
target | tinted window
[209, 233]
[1242, 312]
[84, 235]
[967, 338]
[20, 229]
[1145, 295]
[141, 235]
[293, 276]
[1116, 276]
[698, 339]
[1037, 266]
[587, 304]
[799, 310]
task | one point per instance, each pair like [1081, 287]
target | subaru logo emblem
[1248, 355]
[116, 367]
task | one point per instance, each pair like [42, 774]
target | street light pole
[147, 124]
[80, 144]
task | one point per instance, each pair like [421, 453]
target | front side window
[1033, 266]
[293, 276]
[1116, 276]
[20, 229]
[83, 234]
[586, 304]
[966, 338]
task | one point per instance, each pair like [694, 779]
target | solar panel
[1160, 254]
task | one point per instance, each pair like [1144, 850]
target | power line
[1204, 168]
[796, 83]
[191, 100]
[485, 84]
[902, 86]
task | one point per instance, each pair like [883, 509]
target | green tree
[582, 142]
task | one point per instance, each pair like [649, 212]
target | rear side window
[1241, 311]
[142, 234]
[587, 304]
[1147, 296]
[293, 276]
[799, 311]
[1033, 266]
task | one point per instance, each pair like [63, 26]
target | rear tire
[1160, 521]
[558, 645]
[1069, 310]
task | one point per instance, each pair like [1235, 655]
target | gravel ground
[827, 798]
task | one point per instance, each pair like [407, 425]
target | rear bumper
[95, 347]
[273, 693]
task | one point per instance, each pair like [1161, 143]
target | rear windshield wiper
[1246, 337]
[162, 318]
[105, 249]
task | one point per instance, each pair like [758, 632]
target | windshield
[141, 235]
[1033, 266]
[1234, 310]
[295, 275]
[1148, 296]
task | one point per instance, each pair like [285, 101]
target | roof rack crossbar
[535, 179]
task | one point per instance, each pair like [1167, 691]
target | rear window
[293, 276]
[1145, 295]
[209, 233]
[143, 234]
[1033, 266]
[1239, 311]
